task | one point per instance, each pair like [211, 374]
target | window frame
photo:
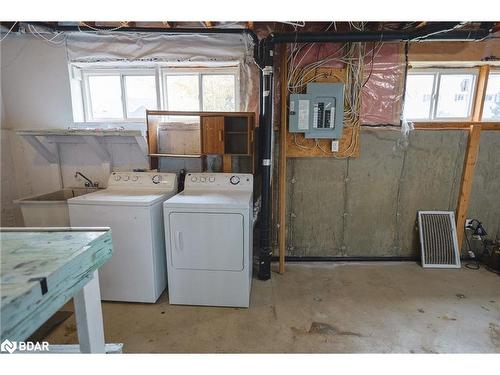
[122, 73]
[200, 72]
[437, 73]
[496, 72]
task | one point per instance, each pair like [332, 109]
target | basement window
[118, 95]
[440, 94]
[113, 94]
[491, 109]
[209, 90]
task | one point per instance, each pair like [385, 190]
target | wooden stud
[467, 178]
[482, 82]
[208, 24]
[471, 154]
[455, 125]
[250, 25]
[282, 164]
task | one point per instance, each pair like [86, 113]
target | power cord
[475, 264]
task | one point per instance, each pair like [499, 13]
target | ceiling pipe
[440, 31]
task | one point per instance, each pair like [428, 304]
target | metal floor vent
[438, 239]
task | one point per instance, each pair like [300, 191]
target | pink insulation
[383, 90]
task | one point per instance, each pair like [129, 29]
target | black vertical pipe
[266, 130]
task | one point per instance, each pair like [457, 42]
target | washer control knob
[118, 177]
[156, 179]
[211, 179]
[126, 178]
[202, 179]
[135, 178]
[234, 180]
[194, 179]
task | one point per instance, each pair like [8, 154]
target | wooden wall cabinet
[196, 134]
[227, 135]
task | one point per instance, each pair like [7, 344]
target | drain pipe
[266, 129]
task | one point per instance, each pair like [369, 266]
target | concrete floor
[323, 307]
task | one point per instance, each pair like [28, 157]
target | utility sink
[50, 209]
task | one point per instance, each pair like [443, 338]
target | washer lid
[211, 199]
[122, 197]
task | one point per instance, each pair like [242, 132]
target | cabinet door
[213, 135]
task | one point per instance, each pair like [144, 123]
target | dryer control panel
[143, 180]
[219, 181]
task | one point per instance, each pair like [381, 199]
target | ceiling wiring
[54, 40]
[353, 56]
[8, 32]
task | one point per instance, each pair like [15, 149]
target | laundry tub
[51, 209]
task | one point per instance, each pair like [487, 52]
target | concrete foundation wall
[368, 206]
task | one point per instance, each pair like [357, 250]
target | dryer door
[207, 241]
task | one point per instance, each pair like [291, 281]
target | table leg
[89, 317]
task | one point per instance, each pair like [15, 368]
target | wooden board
[298, 146]
[482, 83]
[471, 154]
[62, 259]
[467, 178]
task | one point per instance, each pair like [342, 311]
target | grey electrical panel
[320, 112]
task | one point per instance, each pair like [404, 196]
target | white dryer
[132, 206]
[208, 234]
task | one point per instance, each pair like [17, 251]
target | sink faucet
[89, 182]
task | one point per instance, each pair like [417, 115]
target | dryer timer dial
[156, 179]
[235, 180]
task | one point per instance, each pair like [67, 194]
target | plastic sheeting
[383, 91]
[86, 47]
[191, 49]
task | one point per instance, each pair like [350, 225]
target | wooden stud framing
[471, 154]
[455, 125]
[467, 177]
[482, 82]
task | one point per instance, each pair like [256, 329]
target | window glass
[418, 97]
[106, 97]
[140, 95]
[491, 110]
[455, 95]
[218, 93]
[183, 93]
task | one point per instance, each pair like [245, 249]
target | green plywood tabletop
[41, 269]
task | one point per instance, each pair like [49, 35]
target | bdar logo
[8, 346]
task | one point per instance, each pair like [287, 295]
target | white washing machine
[132, 206]
[208, 234]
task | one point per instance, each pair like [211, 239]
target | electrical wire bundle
[353, 57]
